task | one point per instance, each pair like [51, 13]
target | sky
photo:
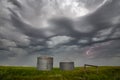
[83, 31]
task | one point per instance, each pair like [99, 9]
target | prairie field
[31, 73]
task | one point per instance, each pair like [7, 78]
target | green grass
[31, 73]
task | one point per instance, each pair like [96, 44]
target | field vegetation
[31, 73]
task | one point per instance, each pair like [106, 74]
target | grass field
[30, 73]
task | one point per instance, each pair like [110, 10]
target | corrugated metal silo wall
[67, 65]
[44, 63]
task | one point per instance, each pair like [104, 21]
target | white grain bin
[44, 63]
[66, 65]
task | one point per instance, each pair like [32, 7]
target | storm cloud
[77, 30]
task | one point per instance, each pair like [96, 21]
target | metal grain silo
[66, 65]
[44, 63]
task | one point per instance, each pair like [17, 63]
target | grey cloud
[4, 55]
[16, 3]
[14, 35]
[18, 51]
[29, 28]
[108, 50]
[57, 40]
[7, 43]
[92, 3]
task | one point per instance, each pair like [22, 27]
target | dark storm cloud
[89, 26]
[16, 3]
[108, 51]
[47, 27]
[26, 28]
[96, 21]
[105, 18]
[96, 27]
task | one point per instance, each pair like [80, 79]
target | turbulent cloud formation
[84, 31]
[54, 41]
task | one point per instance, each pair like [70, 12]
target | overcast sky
[83, 31]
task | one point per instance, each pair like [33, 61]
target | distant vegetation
[30, 73]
